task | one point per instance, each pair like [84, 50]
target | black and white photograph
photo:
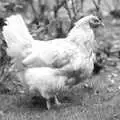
[59, 59]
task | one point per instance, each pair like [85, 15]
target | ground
[99, 102]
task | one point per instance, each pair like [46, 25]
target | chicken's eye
[96, 21]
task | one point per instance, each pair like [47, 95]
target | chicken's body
[47, 81]
[59, 52]
[50, 66]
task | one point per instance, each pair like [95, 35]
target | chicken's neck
[83, 38]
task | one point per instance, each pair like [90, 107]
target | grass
[78, 104]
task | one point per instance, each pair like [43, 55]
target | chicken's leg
[48, 103]
[57, 101]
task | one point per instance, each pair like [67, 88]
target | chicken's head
[95, 22]
[90, 20]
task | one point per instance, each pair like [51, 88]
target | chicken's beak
[102, 24]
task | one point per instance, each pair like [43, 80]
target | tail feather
[17, 23]
[18, 39]
[17, 36]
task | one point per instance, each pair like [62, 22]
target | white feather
[17, 36]
[46, 80]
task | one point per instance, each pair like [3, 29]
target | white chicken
[50, 66]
